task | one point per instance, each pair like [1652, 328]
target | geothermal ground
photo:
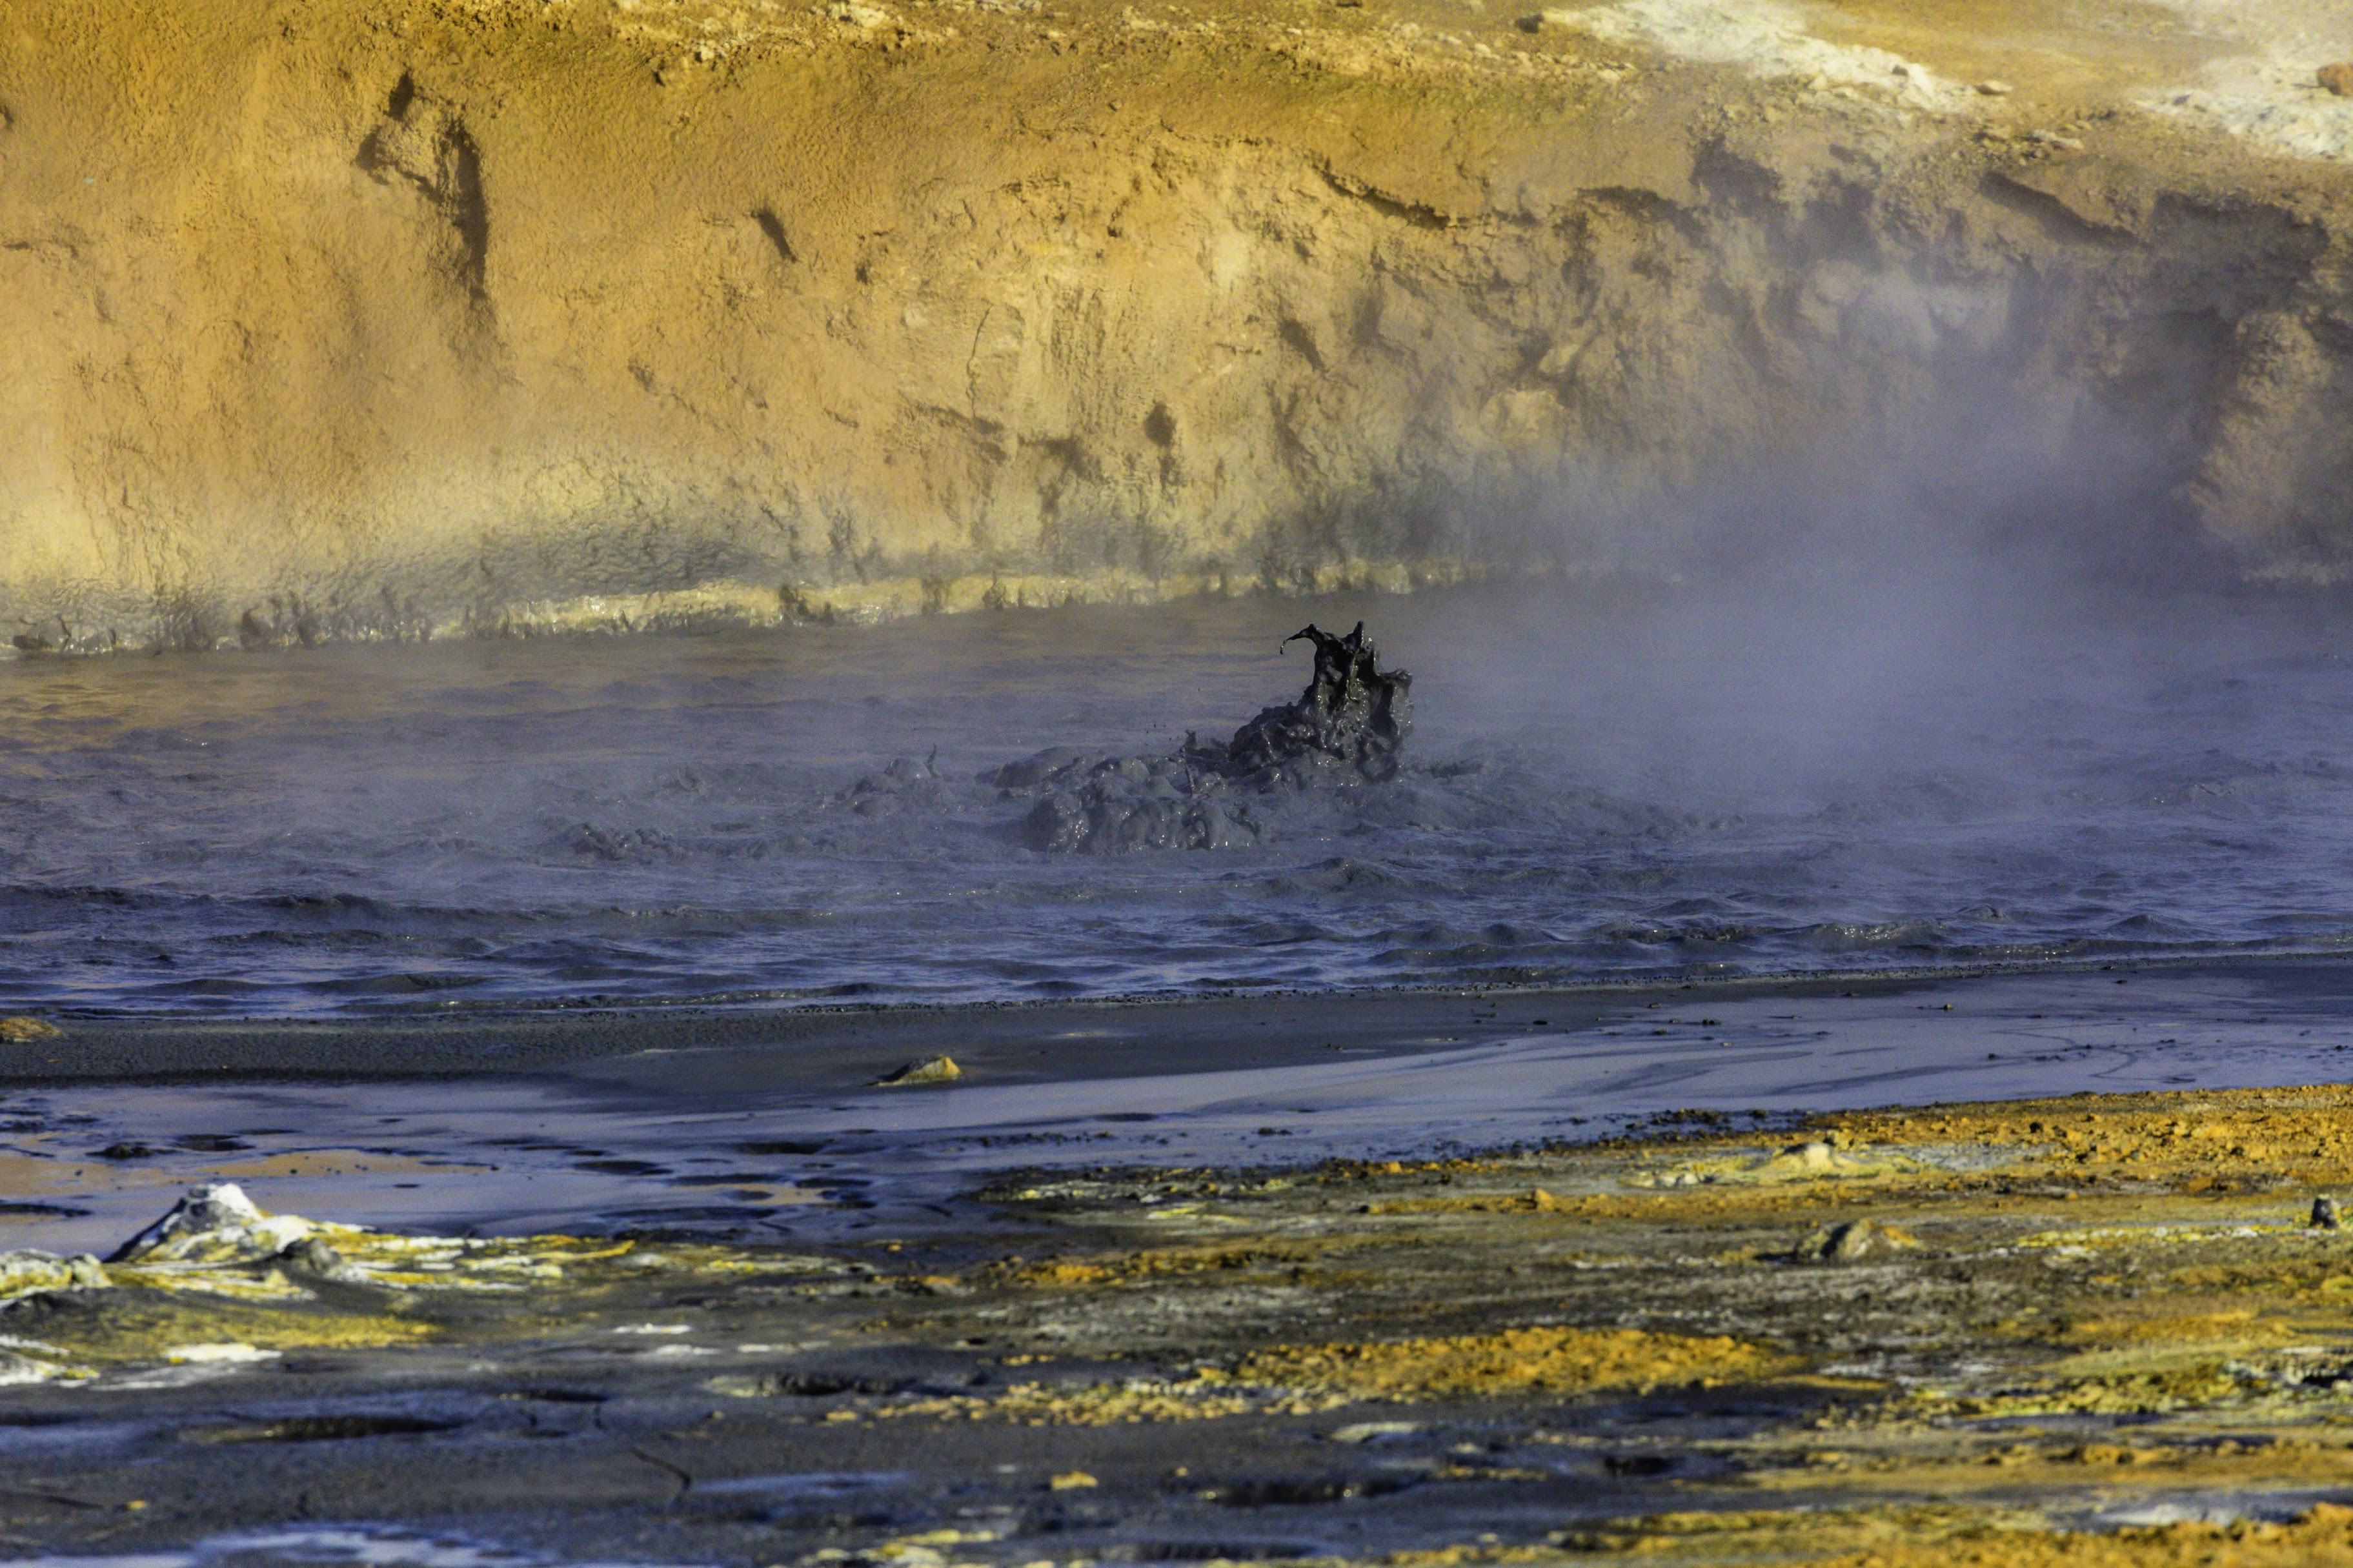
[1075, 1306]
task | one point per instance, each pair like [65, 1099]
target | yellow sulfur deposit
[1517, 1360]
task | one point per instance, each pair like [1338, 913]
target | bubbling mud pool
[1602, 782]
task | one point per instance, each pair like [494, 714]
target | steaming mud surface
[1926, 769]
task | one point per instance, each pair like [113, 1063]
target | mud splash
[1347, 728]
[1354, 717]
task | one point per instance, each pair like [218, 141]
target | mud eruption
[1347, 729]
[1352, 717]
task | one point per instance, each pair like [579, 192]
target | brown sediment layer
[405, 320]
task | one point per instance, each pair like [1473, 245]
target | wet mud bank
[823, 1050]
[420, 320]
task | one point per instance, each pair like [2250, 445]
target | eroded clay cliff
[397, 318]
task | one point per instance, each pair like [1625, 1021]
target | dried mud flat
[2095, 1329]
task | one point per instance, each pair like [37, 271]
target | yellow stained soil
[150, 1330]
[1303, 1379]
[1098, 1404]
[2212, 1142]
[1517, 1362]
[2135, 1271]
[30, 1176]
[1156, 1263]
[1928, 1538]
[250, 1285]
[2128, 1465]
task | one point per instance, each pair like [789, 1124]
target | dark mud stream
[1890, 774]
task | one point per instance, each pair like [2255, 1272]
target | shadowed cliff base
[427, 321]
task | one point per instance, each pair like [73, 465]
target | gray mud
[1600, 783]
[1346, 730]
[750, 1126]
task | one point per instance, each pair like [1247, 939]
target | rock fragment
[1373, 1431]
[23, 1030]
[1853, 1242]
[2324, 1214]
[930, 1069]
[312, 1255]
[2338, 78]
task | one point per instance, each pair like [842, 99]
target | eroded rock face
[672, 315]
[1347, 729]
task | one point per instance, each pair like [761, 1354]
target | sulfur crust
[1520, 1361]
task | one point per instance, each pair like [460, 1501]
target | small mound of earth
[1347, 729]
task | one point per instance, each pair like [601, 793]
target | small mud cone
[2324, 1214]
